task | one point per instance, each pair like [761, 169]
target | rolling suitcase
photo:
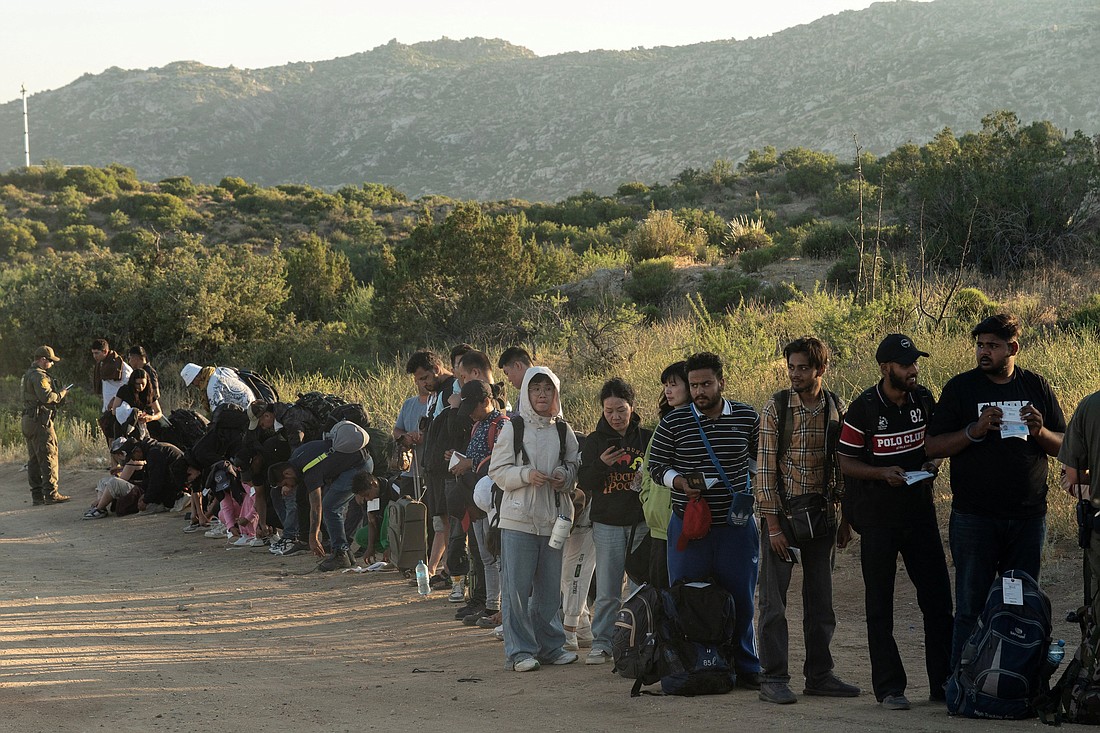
[407, 526]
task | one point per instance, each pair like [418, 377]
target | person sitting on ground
[159, 486]
[218, 386]
[145, 417]
[118, 488]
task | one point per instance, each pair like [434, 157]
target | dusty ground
[131, 625]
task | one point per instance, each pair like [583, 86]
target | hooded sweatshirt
[527, 508]
[614, 500]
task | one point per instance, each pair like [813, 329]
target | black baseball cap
[898, 348]
[474, 393]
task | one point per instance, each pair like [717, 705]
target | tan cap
[45, 352]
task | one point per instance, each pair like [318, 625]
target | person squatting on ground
[798, 468]
[537, 478]
[715, 440]
[611, 457]
[883, 439]
[40, 401]
[997, 423]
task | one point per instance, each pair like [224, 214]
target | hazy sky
[49, 43]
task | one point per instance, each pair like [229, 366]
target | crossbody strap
[710, 452]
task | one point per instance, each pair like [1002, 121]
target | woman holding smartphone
[611, 457]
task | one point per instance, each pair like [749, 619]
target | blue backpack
[1002, 670]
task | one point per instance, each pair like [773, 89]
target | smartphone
[69, 387]
[795, 555]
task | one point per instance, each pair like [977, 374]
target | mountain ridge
[484, 118]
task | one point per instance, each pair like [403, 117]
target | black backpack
[321, 406]
[352, 412]
[229, 418]
[261, 388]
[187, 426]
[680, 637]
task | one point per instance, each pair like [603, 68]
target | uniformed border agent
[40, 401]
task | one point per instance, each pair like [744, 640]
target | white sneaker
[498, 633]
[570, 641]
[526, 665]
[255, 542]
[216, 532]
[565, 658]
[597, 656]
[241, 541]
[458, 593]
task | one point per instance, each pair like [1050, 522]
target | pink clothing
[231, 511]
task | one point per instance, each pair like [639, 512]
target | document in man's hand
[912, 477]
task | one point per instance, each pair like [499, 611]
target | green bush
[661, 235]
[16, 236]
[79, 237]
[161, 210]
[651, 281]
[972, 305]
[757, 259]
[633, 188]
[236, 186]
[93, 182]
[180, 186]
[1087, 316]
[724, 288]
[826, 239]
[710, 222]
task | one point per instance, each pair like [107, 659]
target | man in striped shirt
[800, 462]
[881, 447]
[729, 553]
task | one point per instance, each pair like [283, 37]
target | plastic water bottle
[422, 585]
[1056, 653]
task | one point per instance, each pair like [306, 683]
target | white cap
[483, 496]
[189, 372]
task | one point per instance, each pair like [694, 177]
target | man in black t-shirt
[997, 423]
[881, 447]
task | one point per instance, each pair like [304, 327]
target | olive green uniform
[40, 399]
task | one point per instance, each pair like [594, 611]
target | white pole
[26, 129]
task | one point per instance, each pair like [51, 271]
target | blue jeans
[287, 509]
[731, 556]
[530, 579]
[334, 505]
[610, 541]
[983, 548]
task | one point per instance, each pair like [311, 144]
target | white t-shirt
[110, 386]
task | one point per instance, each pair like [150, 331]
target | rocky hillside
[486, 119]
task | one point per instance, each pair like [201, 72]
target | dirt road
[131, 625]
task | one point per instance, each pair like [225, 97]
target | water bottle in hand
[422, 585]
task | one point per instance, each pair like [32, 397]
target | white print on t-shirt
[1012, 424]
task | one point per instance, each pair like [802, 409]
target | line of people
[785, 486]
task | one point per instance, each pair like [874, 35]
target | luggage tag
[1013, 591]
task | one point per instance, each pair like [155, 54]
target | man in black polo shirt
[881, 445]
[997, 423]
